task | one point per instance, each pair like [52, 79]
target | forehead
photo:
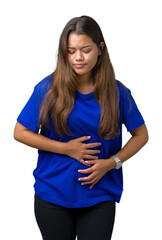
[79, 40]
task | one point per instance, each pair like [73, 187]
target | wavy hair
[59, 99]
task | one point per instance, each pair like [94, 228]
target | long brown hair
[59, 100]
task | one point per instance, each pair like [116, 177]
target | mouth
[79, 66]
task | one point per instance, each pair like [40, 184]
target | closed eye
[71, 52]
[87, 51]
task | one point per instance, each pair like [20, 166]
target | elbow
[142, 134]
[16, 135]
[145, 136]
[17, 132]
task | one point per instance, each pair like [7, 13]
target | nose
[79, 56]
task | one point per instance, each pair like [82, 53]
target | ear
[102, 44]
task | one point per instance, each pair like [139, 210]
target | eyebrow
[82, 47]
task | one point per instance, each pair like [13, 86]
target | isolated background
[30, 32]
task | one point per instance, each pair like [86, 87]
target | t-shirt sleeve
[29, 116]
[132, 117]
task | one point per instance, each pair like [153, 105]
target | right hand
[78, 150]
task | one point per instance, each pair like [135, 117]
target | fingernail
[88, 136]
[79, 179]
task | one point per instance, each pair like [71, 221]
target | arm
[100, 167]
[136, 142]
[35, 140]
[74, 148]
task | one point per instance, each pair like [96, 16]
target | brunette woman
[74, 118]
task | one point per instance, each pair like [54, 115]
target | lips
[79, 66]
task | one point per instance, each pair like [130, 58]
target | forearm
[73, 148]
[38, 141]
[136, 142]
[131, 148]
[100, 167]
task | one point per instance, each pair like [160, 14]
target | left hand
[97, 171]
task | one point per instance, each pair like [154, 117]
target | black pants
[60, 223]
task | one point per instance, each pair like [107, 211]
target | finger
[92, 185]
[92, 182]
[85, 183]
[87, 179]
[92, 145]
[90, 157]
[92, 151]
[84, 162]
[82, 139]
[95, 180]
[86, 171]
[90, 162]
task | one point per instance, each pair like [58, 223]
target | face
[82, 53]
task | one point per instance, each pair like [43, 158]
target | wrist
[118, 162]
[60, 147]
[64, 148]
[111, 164]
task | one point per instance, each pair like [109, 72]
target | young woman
[74, 117]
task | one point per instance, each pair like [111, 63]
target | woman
[74, 117]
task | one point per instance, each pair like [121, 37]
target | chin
[82, 71]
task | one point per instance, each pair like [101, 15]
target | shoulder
[123, 90]
[45, 84]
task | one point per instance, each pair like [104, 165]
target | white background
[30, 32]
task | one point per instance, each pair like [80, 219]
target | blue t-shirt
[56, 175]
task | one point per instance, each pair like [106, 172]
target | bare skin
[101, 166]
[79, 53]
[74, 148]
[80, 151]
[82, 56]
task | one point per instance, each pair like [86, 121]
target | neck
[86, 84]
[85, 80]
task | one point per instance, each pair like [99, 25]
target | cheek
[70, 59]
[93, 61]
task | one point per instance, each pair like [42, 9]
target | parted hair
[59, 99]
